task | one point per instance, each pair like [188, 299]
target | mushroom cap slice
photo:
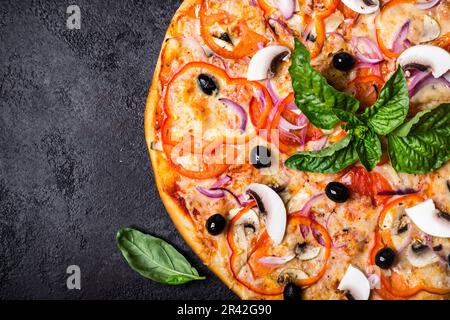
[261, 63]
[356, 283]
[433, 57]
[421, 259]
[363, 6]
[426, 218]
[274, 207]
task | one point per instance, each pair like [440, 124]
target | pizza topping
[366, 50]
[276, 261]
[264, 62]
[385, 258]
[427, 218]
[286, 8]
[216, 224]
[363, 6]
[207, 83]
[420, 255]
[427, 4]
[430, 30]
[355, 283]
[337, 192]
[436, 59]
[292, 292]
[305, 251]
[270, 203]
[240, 112]
[213, 192]
[260, 157]
[343, 61]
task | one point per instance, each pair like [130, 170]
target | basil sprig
[417, 146]
[154, 258]
[422, 144]
[313, 95]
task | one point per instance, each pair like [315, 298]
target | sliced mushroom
[247, 225]
[430, 30]
[262, 64]
[291, 275]
[420, 255]
[270, 203]
[429, 220]
[363, 6]
[305, 252]
[355, 283]
[432, 57]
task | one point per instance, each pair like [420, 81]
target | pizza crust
[160, 167]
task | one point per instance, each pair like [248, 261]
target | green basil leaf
[392, 106]
[313, 95]
[154, 258]
[332, 159]
[426, 146]
[369, 149]
[405, 128]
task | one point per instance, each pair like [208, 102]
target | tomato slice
[263, 281]
[396, 286]
[366, 89]
[249, 40]
[365, 183]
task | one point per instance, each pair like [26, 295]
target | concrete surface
[73, 162]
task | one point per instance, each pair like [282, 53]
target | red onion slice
[366, 50]
[399, 192]
[427, 4]
[286, 8]
[414, 79]
[319, 144]
[401, 42]
[316, 234]
[238, 200]
[211, 193]
[304, 230]
[276, 261]
[306, 209]
[430, 80]
[240, 111]
[272, 92]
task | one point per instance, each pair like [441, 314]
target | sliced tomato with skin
[366, 89]
[365, 183]
[249, 40]
[260, 280]
[395, 285]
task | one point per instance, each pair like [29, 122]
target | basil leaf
[427, 145]
[369, 149]
[392, 106]
[332, 159]
[313, 95]
[154, 258]
[405, 128]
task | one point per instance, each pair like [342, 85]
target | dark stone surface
[73, 162]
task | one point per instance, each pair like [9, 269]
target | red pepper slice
[207, 149]
[248, 39]
[263, 285]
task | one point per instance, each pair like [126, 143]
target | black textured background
[73, 162]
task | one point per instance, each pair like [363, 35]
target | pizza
[301, 147]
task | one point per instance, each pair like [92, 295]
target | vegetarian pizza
[301, 147]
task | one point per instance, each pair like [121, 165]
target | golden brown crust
[160, 169]
[165, 180]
